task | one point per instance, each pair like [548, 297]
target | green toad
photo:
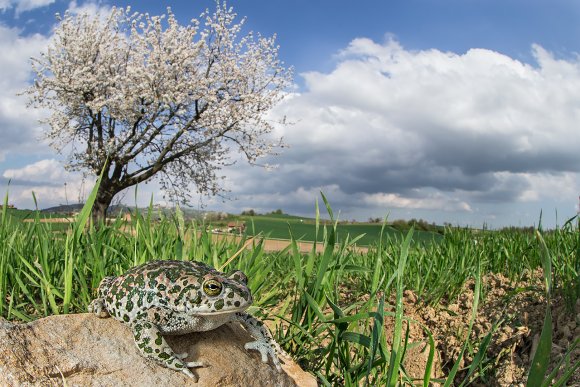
[176, 297]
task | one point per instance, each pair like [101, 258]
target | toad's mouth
[219, 312]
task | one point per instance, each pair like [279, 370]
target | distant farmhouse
[236, 228]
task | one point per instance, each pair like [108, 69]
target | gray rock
[83, 350]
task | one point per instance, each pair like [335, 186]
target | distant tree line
[514, 229]
[417, 224]
[216, 216]
[252, 212]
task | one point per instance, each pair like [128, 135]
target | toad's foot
[153, 346]
[265, 343]
[190, 364]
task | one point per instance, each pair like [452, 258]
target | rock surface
[83, 350]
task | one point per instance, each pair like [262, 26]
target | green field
[34, 216]
[304, 229]
[30, 214]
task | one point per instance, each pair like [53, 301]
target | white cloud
[432, 202]
[28, 5]
[49, 182]
[19, 126]
[23, 5]
[43, 171]
[49, 196]
[557, 187]
[89, 7]
[480, 95]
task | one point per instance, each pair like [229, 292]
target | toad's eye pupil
[212, 287]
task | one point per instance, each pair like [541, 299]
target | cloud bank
[396, 128]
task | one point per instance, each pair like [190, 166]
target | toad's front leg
[265, 343]
[153, 346]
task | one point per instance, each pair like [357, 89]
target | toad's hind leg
[153, 346]
[98, 307]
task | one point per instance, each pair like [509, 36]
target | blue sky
[459, 111]
[310, 32]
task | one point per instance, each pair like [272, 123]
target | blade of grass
[541, 357]
[376, 335]
[396, 354]
[72, 244]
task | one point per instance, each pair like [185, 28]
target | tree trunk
[102, 202]
[99, 213]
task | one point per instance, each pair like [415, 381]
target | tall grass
[330, 308]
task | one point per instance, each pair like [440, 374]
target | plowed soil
[517, 309]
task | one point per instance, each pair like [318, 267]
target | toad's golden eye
[212, 287]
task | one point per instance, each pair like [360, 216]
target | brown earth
[520, 315]
[271, 245]
[50, 220]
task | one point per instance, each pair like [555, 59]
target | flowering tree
[138, 96]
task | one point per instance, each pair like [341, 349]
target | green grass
[341, 341]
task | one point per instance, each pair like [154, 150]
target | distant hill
[63, 208]
[69, 208]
